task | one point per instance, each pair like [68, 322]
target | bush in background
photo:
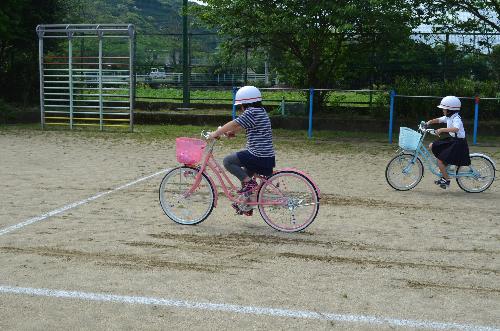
[462, 87]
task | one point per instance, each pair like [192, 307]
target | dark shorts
[452, 151]
[261, 165]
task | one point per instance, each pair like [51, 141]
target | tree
[19, 46]
[495, 59]
[479, 15]
[309, 39]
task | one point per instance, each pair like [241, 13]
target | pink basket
[189, 150]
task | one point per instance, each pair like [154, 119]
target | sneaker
[248, 187]
[443, 183]
[239, 211]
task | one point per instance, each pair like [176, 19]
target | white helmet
[247, 94]
[450, 103]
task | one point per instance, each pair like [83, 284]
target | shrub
[462, 87]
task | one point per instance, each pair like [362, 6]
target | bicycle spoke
[179, 202]
[478, 176]
[401, 174]
[289, 201]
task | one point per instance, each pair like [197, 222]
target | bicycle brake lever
[423, 126]
[205, 134]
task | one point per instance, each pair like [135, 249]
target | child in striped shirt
[259, 156]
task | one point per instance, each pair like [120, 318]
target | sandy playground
[84, 244]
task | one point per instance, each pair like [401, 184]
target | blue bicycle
[405, 170]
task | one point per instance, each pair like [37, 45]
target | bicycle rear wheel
[478, 176]
[401, 174]
[177, 204]
[290, 201]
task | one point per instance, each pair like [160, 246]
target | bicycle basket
[189, 150]
[409, 139]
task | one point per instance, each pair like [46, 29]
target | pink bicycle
[288, 200]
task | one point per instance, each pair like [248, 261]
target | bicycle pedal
[248, 213]
[237, 209]
[242, 209]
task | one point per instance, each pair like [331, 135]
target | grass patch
[143, 93]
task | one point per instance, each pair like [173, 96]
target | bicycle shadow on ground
[456, 192]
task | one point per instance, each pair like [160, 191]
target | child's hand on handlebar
[217, 134]
[230, 134]
[213, 135]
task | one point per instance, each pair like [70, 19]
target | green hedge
[426, 107]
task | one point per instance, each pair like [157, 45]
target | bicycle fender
[303, 174]
[486, 157]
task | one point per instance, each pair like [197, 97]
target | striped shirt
[257, 124]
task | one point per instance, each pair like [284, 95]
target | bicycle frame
[227, 185]
[431, 162]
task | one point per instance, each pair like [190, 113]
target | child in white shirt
[453, 149]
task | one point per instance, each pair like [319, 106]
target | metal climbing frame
[87, 90]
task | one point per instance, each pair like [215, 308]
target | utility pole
[185, 56]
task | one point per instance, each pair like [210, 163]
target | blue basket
[409, 139]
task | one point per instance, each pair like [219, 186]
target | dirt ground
[373, 253]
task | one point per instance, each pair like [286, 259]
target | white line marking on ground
[222, 307]
[75, 204]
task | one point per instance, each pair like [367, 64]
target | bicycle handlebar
[423, 127]
[206, 134]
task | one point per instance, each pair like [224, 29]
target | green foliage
[465, 15]
[495, 60]
[19, 46]
[306, 40]
[426, 107]
[6, 111]
[459, 87]
[309, 42]
[325, 44]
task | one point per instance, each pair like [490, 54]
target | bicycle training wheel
[478, 176]
[178, 205]
[290, 201]
[403, 175]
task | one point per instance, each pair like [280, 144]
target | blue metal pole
[234, 98]
[391, 115]
[311, 96]
[476, 113]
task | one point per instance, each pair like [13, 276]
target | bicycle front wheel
[181, 206]
[289, 200]
[478, 176]
[403, 175]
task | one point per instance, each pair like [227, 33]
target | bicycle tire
[486, 175]
[281, 187]
[173, 202]
[395, 176]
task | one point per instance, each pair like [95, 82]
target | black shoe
[442, 183]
